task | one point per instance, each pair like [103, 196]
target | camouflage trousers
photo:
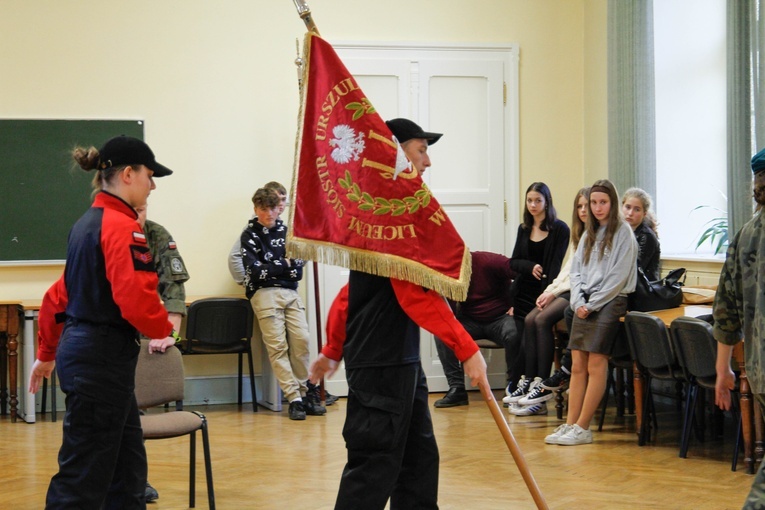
[756, 498]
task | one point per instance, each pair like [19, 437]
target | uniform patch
[142, 259]
[139, 238]
[171, 245]
[177, 265]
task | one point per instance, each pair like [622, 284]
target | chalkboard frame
[42, 191]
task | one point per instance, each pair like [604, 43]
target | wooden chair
[159, 379]
[222, 326]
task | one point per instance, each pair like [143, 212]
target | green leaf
[425, 200]
[365, 206]
[353, 197]
[381, 211]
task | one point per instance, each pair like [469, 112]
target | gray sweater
[604, 279]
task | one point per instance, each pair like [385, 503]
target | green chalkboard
[41, 193]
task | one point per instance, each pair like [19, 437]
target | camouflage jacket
[739, 307]
[170, 267]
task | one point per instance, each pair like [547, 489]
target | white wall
[216, 84]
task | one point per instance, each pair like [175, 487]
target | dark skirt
[598, 331]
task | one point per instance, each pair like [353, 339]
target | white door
[470, 95]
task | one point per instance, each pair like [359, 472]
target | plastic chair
[159, 379]
[651, 348]
[222, 326]
[696, 351]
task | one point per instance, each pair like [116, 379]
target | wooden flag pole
[512, 445]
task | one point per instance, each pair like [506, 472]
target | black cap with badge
[126, 150]
[405, 129]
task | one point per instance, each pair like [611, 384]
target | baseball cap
[126, 150]
[405, 129]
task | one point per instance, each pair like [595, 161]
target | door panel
[459, 92]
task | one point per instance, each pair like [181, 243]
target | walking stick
[512, 445]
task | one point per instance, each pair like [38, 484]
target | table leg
[639, 388]
[13, 358]
[758, 432]
[3, 374]
[747, 422]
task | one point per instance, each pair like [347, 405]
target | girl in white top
[602, 275]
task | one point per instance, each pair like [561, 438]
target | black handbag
[659, 294]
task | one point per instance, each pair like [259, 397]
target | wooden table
[752, 430]
[9, 329]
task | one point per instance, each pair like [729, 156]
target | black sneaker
[297, 411]
[454, 397]
[558, 380]
[329, 399]
[313, 407]
[151, 493]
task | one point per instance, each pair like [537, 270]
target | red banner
[357, 202]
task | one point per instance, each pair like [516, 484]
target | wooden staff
[512, 445]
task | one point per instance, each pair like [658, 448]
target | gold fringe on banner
[390, 266]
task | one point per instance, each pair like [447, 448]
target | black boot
[454, 397]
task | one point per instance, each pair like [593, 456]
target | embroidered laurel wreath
[380, 205]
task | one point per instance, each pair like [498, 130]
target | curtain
[746, 104]
[631, 96]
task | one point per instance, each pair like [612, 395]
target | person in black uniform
[106, 296]
[374, 324]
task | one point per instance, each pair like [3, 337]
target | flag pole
[305, 14]
[512, 445]
[315, 265]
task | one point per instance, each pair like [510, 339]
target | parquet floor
[265, 461]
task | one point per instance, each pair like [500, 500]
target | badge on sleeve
[142, 259]
[138, 237]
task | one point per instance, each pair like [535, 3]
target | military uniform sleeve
[728, 324]
[171, 269]
[49, 326]
[131, 272]
[430, 311]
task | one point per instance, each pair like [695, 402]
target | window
[691, 146]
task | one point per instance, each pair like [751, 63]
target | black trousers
[504, 330]
[392, 452]
[102, 460]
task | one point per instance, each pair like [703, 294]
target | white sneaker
[575, 435]
[557, 433]
[528, 410]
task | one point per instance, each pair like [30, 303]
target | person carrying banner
[373, 324]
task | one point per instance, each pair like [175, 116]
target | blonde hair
[88, 159]
[649, 219]
[577, 225]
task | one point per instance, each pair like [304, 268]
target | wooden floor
[265, 461]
